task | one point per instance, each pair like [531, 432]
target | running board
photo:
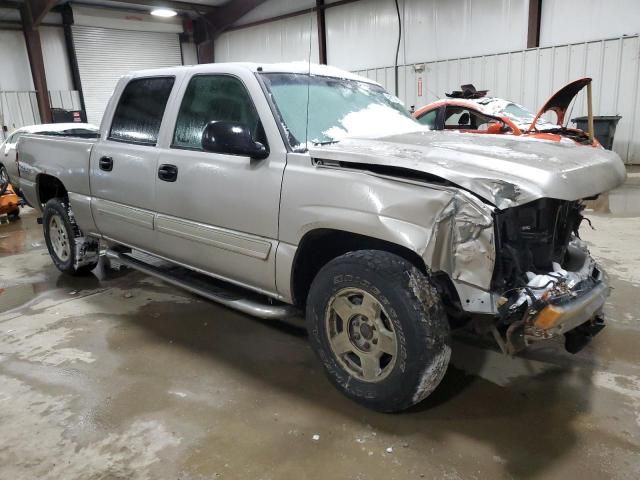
[229, 298]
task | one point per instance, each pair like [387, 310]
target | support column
[67, 22]
[533, 31]
[36, 61]
[34, 50]
[322, 32]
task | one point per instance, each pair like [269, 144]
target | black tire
[411, 306]
[14, 215]
[4, 179]
[70, 263]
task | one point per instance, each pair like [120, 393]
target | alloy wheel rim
[58, 237]
[361, 335]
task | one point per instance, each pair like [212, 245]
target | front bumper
[568, 303]
[558, 319]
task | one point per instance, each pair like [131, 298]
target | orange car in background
[470, 110]
[9, 201]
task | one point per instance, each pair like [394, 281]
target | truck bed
[66, 159]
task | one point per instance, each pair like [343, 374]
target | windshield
[337, 108]
[520, 115]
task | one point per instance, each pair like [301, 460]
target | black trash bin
[604, 127]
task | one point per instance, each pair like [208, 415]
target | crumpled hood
[504, 170]
[560, 101]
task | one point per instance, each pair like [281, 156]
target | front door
[123, 165]
[219, 212]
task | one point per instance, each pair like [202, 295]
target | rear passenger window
[211, 98]
[140, 110]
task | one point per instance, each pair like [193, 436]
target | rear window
[140, 110]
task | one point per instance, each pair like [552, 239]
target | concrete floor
[117, 376]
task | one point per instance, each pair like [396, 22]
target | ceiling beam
[226, 15]
[183, 7]
[10, 4]
[34, 11]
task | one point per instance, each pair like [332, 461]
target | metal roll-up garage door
[105, 54]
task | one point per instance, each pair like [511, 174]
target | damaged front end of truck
[549, 283]
[507, 242]
[542, 281]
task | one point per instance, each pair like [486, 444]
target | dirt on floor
[118, 376]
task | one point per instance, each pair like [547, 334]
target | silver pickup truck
[311, 189]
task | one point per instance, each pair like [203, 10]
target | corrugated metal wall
[18, 104]
[18, 109]
[529, 77]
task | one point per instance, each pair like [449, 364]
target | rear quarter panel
[66, 159]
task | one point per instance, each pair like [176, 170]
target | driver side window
[461, 118]
[213, 98]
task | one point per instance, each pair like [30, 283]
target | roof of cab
[288, 67]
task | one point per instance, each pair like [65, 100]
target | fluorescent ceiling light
[164, 12]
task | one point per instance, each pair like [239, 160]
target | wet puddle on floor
[13, 297]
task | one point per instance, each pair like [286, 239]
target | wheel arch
[319, 246]
[48, 187]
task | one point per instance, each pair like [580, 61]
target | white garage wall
[433, 29]
[18, 103]
[280, 41]
[15, 73]
[56, 62]
[569, 21]
[529, 77]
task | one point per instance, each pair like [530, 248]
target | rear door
[219, 212]
[123, 163]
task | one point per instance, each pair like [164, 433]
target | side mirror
[233, 138]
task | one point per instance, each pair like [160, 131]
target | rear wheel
[379, 328]
[14, 215]
[70, 250]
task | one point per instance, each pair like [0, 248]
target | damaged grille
[530, 237]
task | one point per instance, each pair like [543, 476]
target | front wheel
[379, 328]
[70, 251]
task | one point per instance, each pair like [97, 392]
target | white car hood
[506, 171]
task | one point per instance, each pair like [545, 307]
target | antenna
[306, 134]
